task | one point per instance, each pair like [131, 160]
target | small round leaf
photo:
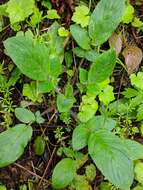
[64, 173]
[24, 115]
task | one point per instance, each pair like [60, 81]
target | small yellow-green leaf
[52, 14]
[63, 32]
[128, 14]
[80, 15]
[137, 23]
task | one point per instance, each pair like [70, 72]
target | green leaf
[39, 118]
[15, 75]
[80, 16]
[81, 36]
[130, 93]
[137, 23]
[36, 18]
[105, 19]
[52, 14]
[65, 101]
[109, 154]
[33, 58]
[63, 173]
[64, 104]
[136, 80]
[80, 137]
[139, 172]
[100, 122]
[103, 67]
[138, 187]
[24, 115]
[140, 112]
[90, 172]
[128, 14]
[19, 10]
[2, 187]
[83, 75]
[107, 95]
[3, 10]
[63, 32]
[105, 186]
[87, 108]
[29, 90]
[39, 146]
[13, 141]
[134, 149]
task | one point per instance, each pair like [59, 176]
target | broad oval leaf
[24, 115]
[32, 58]
[103, 67]
[13, 141]
[109, 154]
[63, 173]
[100, 122]
[134, 149]
[133, 56]
[105, 19]
[80, 137]
[39, 145]
[19, 10]
[81, 36]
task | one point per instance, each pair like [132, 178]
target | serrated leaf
[3, 10]
[52, 14]
[80, 16]
[13, 141]
[109, 154]
[32, 58]
[107, 95]
[133, 57]
[81, 36]
[130, 93]
[105, 19]
[63, 32]
[24, 115]
[29, 90]
[63, 173]
[103, 67]
[137, 23]
[128, 14]
[19, 10]
[136, 80]
[65, 101]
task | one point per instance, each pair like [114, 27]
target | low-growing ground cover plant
[62, 106]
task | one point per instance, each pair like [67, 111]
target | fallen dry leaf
[133, 56]
[115, 41]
